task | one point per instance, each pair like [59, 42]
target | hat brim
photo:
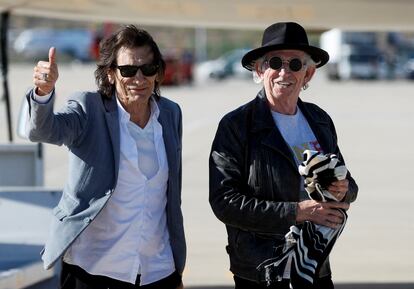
[320, 56]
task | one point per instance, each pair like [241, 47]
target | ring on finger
[45, 76]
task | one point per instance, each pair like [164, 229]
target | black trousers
[322, 283]
[74, 277]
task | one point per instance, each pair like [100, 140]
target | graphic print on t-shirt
[297, 133]
[299, 149]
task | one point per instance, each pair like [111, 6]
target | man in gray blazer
[119, 222]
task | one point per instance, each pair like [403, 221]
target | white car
[35, 43]
[227, 65]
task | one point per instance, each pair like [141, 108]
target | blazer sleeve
[63, 127]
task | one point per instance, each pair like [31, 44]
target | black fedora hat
[285, 35]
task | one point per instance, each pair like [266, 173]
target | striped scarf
[307, 245]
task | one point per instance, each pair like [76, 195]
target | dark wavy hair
[128, 37]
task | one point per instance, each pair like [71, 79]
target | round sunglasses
[276, 63]
[148, 69]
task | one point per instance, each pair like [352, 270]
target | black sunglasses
[276, 63]
[148, 69]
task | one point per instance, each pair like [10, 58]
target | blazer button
[87, 220]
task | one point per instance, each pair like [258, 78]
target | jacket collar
[261, 115]
[110, 104]
[262, 122]
[319, 123]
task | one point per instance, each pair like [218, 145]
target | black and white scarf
[307, 245]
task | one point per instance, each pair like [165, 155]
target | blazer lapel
[165, 120]
[112, 121]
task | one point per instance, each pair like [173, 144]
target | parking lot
[375, 125]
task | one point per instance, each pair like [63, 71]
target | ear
[309, 74]
[111, 76]
[258, 68]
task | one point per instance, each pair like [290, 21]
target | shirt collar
[124, 116]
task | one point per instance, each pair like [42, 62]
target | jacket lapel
[112, 121]
[263, 121]
[165, 120]
[318, 126]
[275, 141]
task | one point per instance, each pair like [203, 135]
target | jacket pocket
[66, 207]
[253, 248]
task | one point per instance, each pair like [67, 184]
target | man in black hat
[255, 186]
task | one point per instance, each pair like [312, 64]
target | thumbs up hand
[45, 74]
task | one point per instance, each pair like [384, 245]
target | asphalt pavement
[53, 283]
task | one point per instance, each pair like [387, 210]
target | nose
[139, 75]
[283, 70]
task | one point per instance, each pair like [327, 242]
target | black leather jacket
[255, 183]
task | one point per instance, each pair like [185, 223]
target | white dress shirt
[130, 235]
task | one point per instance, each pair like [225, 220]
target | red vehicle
[179, 68]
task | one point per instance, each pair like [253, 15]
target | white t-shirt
[297, 133]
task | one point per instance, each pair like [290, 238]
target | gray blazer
[88, 125]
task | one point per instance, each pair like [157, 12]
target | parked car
[178, 68]
[227, 65]
[35, 43]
